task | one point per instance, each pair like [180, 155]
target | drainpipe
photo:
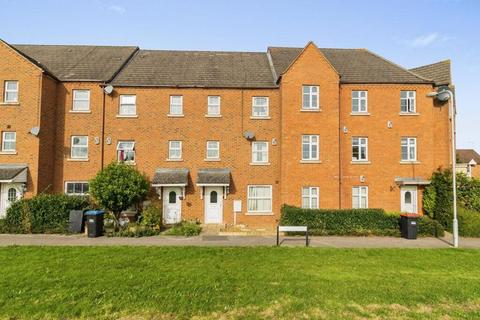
[102, 143]
[340, 171]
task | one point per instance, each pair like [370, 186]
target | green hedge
[342, 222]
[429, 227]
[468, 223]
[355, 222]
[46, 213]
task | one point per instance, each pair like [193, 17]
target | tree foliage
[117, 187]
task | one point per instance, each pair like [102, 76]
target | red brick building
[223, 133]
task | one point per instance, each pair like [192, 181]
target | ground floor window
[260, 198]
[360, 197]
[76, 188]
[310, 197]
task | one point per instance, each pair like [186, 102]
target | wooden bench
[292, 229]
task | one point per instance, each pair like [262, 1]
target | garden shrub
[342, 222]
[429, 227]
[152, 216]
[468, 223]
[185, 228]
[44, 213]
[134, 230]
[3, 226]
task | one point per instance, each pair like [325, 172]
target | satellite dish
[443, 96]
[108, 89]
[249, 135]
[35, 131]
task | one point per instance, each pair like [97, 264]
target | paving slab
[247, 241]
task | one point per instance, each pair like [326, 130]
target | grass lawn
[238, 283]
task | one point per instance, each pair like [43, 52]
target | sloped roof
[197, 68]
[466, 155]
[213, 176]
[439, 72]
[353, 65]
[10, 171]
[78, 62]
[170, 176]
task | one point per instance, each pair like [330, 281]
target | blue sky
[411, 33]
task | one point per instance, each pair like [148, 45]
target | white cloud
[116, 9]
[425, 40]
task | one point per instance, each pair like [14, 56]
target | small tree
[117, 187]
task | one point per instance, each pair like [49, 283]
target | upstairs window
[213, 108]
[79, 147]
[407, 102]
[310, 100]
[409, 149]
[310, 197]
[128, 105]
[175, 150]
[213, 150]
[260, 152]
[260, 107]
[9, 141]
[126, 152]
[359, 149]
[176, 105]
[11, 92]
[359, 101]
[81, 100]
[310, 147]
[77, 188]
[360, 197]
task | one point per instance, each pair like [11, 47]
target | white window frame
[171, 149]
[5, 141]
[362, 144]
[72, 147]
[83, 183]
[410, 101]
[123, 106]
[359, 193]
[130, 150]
[253, 198]
[310, 93]
[6, 91]
[211, 105]
[175, 105]
[255, 105]
[263, 153]
[76, 99]
[359, 99]
[310, 144]
[312, 195]
[215, 148]
[409, 143]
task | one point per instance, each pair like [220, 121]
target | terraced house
[223, 134]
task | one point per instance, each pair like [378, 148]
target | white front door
[172, 205]
[408, 199]
[213, 205]
[9, 192]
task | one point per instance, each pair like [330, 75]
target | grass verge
[238, 283]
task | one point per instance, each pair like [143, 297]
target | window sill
[310, 161]
[175, 115]
[260, 118]
[127, 116]
[174, 160]
[259, 214]
[211, 160]
[75, 111]
[410, 162]
[78, 160]
[13, 104]
[360, 113]
[360, 162]
[8, 152]
[259, 163]
[131, 163]
[311, 110]
[213, 116]
[409, 114]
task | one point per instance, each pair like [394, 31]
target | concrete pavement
[235, 241]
